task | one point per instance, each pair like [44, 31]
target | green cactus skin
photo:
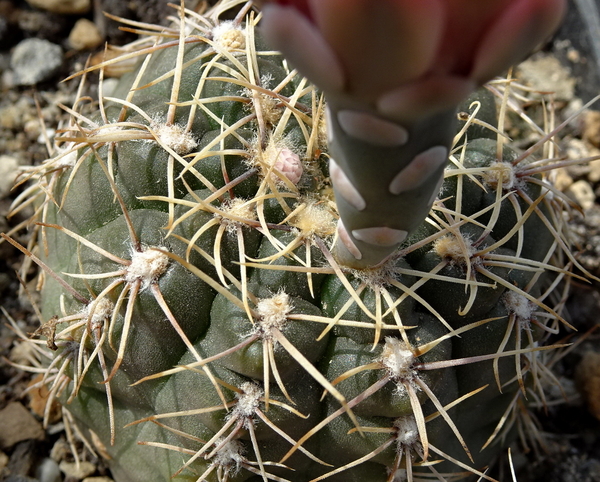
[204, 331]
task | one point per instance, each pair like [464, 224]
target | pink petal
[380, 236]
[371, 128]
[466, 22]
[381, 43]
[288, 30]
[347, 240]
[521, 27]
[344, 187]
[419, 170]
[301, 5]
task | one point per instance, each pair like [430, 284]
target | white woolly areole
[399, 476]
[70, 348]
[315, 219]
[269, 104]
[407, 433]
[102, 311]
[229, 456]
[234, 212]
[175, 138]
[407, 440]
[228, 36]
[398, 358]
[458, 250]
[500, 172]
[248, 401]
[273, 312]
[519, 305]
[147, 266]
[67, 158]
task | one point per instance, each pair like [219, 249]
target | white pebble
[48, 471]
[35, 60]
[9, 168]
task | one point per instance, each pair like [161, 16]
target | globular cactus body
[203, 329]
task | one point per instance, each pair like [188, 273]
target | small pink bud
[290, 165]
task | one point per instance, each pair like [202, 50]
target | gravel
[35, 60]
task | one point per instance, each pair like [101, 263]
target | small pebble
[35, 60]
[3, 461]
[68, 7]
[591, 127]
[594, 175]
[22, 353]
[10, 117]
[43, 25]
[24, 459]
[582, 193]
[15, 113]
[48, 471]
[60, 450]
[84, 470]
[109, 86]
[85, 35]
[7, 80]
[17, 424]
[546, 74]
[588, 380]
[39, 397]
[562, 179]
[46, 135]
[32, 128]
[9, 168]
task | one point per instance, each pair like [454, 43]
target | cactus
[198, 325]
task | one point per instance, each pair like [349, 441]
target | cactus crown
[200, 327]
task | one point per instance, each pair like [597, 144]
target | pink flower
[393, 72]
[402, 55]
